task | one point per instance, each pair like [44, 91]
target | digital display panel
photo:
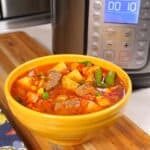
[122, 11]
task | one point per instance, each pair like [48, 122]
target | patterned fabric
[9, 140]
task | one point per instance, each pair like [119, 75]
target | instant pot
[115, 30]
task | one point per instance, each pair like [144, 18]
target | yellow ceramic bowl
[66, 130]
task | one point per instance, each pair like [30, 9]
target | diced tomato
[89, 97]
[44, 106]
[80, 67]
[44, 68]
[19, 93]
[103, 101]
[30, 105]
[64, 72]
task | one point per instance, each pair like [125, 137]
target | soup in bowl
[67, 98]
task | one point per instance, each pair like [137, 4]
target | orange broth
[68, 88]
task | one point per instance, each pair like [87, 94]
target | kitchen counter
[138, 108]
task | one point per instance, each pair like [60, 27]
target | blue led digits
[122, 11]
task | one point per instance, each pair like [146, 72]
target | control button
[94, 46]
[140, 60]
[109, 34]
[140, 53]
[124, 65]
[145, 14]
[98, 13]
[109, 30]
[127, 34]
[96, 17]
[95, 37]
[97, 4]
[142, 44]
[142, 35]
[144, 25]
[124, 56]
[96, 24]
[146, 4]
[108, 44]
[94, 53]
[109, 55]
[96, 29]
[126, 45]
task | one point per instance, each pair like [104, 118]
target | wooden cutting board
[18, 47]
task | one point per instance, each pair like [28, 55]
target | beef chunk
[52, 80]
[85, 89]
[72, 103]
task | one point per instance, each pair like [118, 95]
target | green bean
[97, 94]
[110, 78]
[102, 85]
[98, 76]
[86, 63]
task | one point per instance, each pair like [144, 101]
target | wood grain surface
[18, 47]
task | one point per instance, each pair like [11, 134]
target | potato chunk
[61, 98]
[60, 67]
[92, 107]
[75, 75]
[69, 84]
[102, 101]
[25, 82]
[90, 78]
[40, 91]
